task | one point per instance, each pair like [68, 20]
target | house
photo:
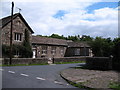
[57, 48]
[19, 27]
[78, 49]
[48, 47]
[41, 46]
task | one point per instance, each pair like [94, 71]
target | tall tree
[102, 47]
[116, 54]
[27, 45]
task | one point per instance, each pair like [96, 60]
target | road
[42, 76]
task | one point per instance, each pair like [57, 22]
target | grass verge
[115, 85]
[79, 85]
[24, 64]
[69, 62]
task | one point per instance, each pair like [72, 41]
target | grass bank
[115, 85]
[70, 62]
[24, 64]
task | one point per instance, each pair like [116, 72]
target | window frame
[18, 37]
[44, 50]
[53, 50]
[77, 51]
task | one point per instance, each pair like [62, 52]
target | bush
[116, 54]
[5, 51]
[98, 63]
[102, 47]
[23, 51]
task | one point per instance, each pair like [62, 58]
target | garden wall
[100, 63]
[69, 59]
[25, 61]
[42, 60]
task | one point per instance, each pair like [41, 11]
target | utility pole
[11, 29]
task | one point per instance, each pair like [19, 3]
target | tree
[27, 50]
[57, 36]
[86, 38]
[5, 51]
[102, 47]
[116, 54]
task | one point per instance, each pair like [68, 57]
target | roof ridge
[10, 16]
[50, 38]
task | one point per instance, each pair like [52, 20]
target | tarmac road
[42, 76]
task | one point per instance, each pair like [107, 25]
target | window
[16, 54]
[18, 37]
[44, 50]
[77, 51]
[62, 50]
[53, 50]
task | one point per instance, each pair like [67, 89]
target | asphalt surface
[42, 76]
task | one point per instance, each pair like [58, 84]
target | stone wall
[99, 63]
[18, 27]
[69, 59]
[42, 60]
[26, 61]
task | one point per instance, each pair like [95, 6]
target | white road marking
[1, 70]
[24, 75]
[11, 72]
[67, 84]
[40, 78]
[58, 82]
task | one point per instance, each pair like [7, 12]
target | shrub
[5, 50]
[116, 54]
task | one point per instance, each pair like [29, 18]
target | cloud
[40, 15]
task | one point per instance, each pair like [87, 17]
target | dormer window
[18, 37]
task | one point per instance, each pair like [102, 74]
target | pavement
[90, 78]
[41, 76]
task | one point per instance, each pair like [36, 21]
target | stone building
[78, 49]
[48, 47]
[57, 48]
[19, 27]
[41, 46]
[18, 31]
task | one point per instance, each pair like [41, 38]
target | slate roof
[78, 44]
[48, 41]
[53, 41]
[7, 20]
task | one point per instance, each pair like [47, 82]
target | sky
[67, 17]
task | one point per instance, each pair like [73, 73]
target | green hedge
[24, 52]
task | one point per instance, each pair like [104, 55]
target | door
[34, 53]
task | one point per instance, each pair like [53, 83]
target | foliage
[5, 50]
[116, 54]
[102, 47]
[57, 36]
[86, 38]
[115, 85]
[27, 50]
[24, 51]
[15, 48]
[73, 38]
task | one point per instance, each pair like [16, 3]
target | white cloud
[39, 14]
